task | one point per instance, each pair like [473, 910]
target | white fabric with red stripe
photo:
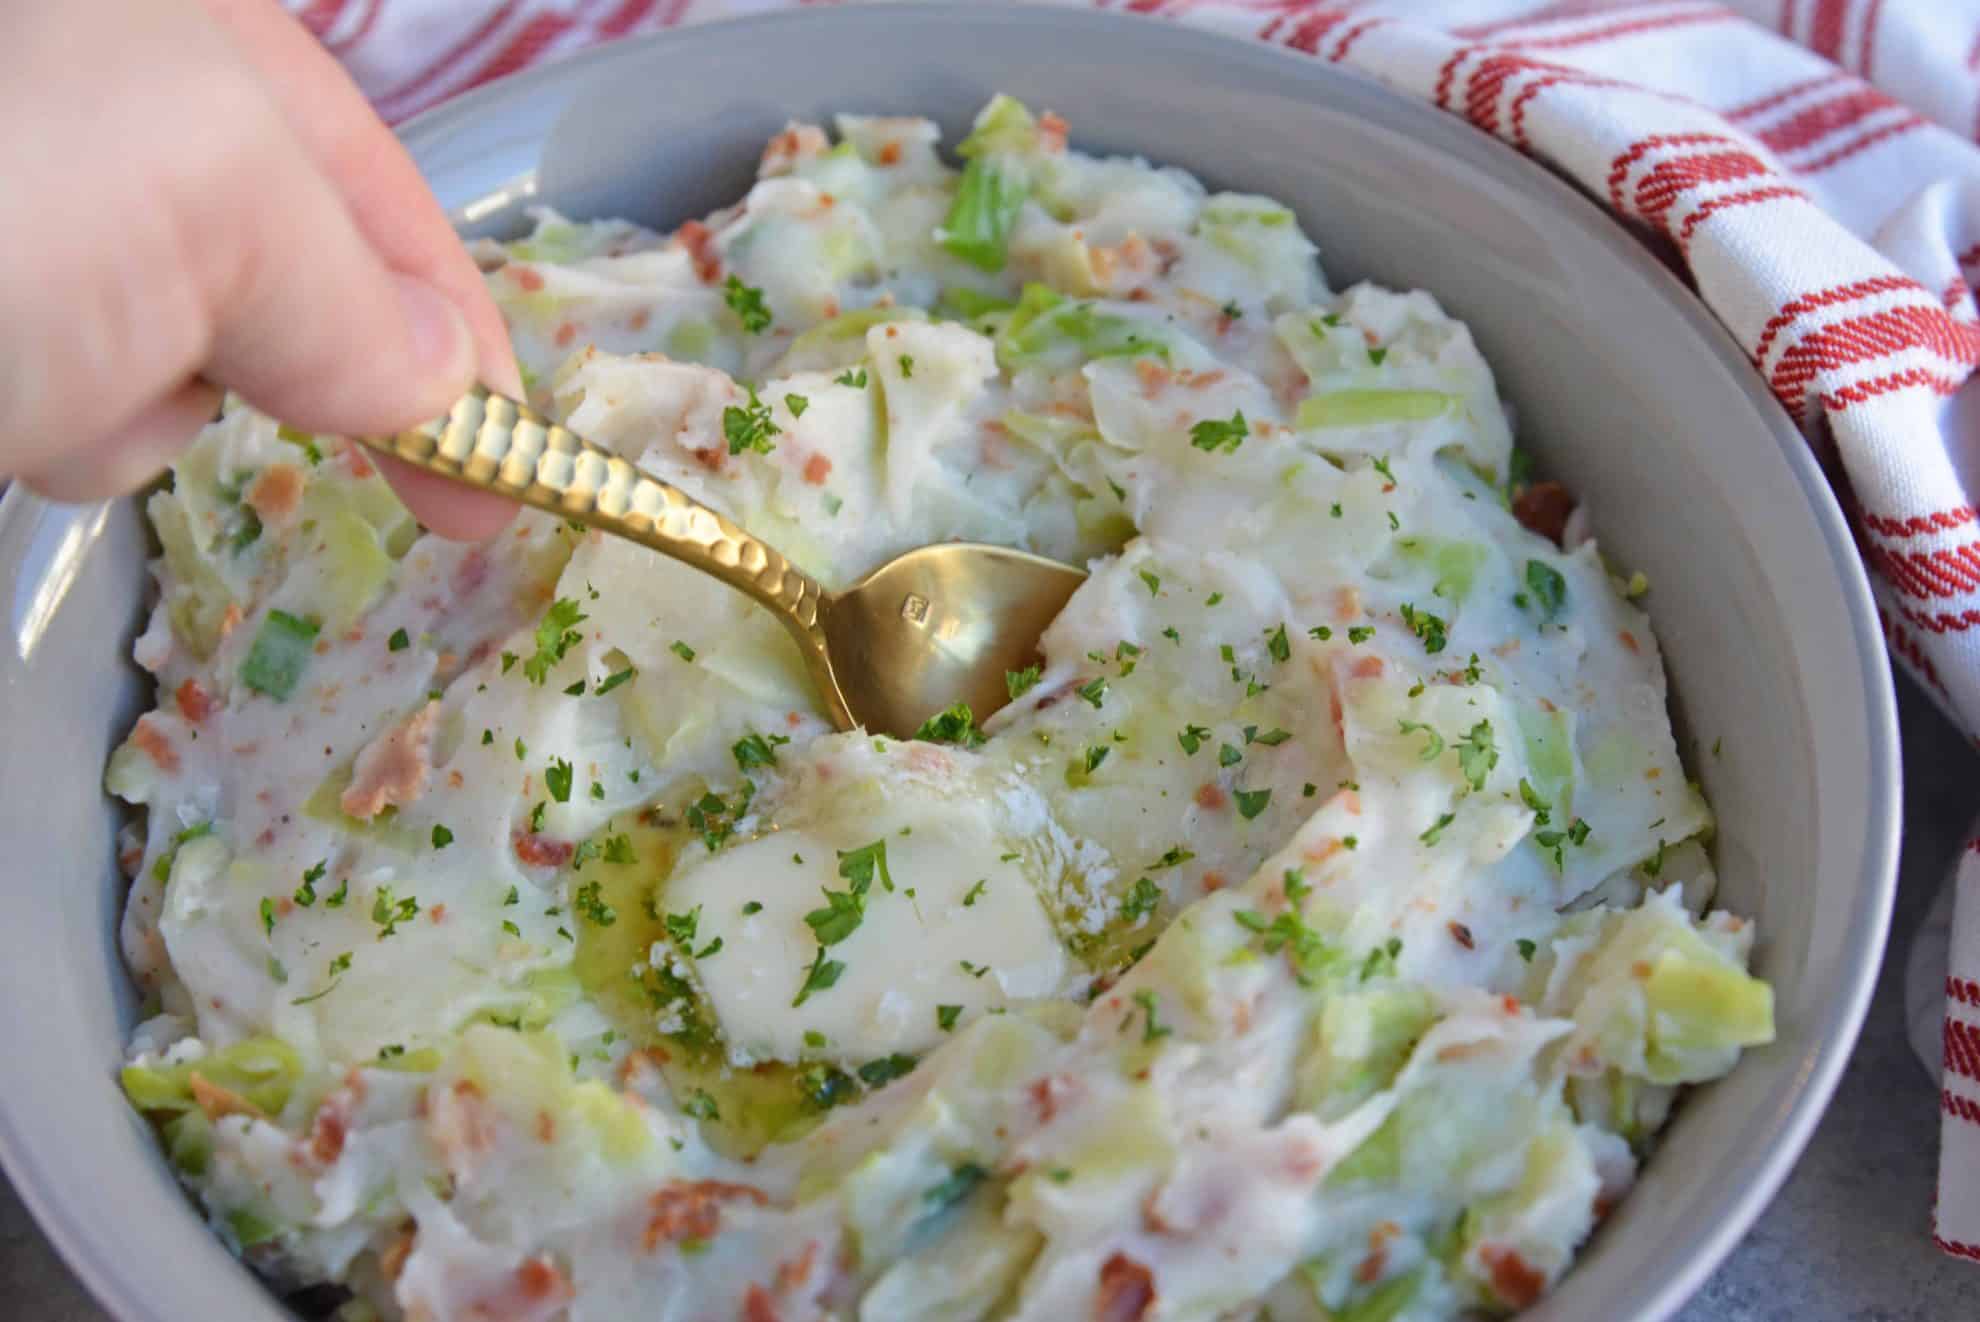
[1812, 164]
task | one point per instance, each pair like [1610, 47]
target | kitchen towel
[1809, 164]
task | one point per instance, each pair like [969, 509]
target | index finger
[395, 212]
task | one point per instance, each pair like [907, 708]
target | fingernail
[439, 332]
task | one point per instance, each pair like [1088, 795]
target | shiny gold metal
[933, 627]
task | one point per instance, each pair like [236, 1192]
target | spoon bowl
[932, 628]
[941, 625]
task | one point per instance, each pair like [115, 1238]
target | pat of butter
[973, 934]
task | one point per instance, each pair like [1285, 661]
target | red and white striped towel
[1811, 162]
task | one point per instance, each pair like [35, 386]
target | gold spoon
[931, 628]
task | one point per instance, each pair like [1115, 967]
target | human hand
[198, 199]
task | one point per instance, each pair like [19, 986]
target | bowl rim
[1750, 1186]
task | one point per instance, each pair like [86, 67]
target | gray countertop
[1848, 1238]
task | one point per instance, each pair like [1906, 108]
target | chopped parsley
[907, 366]
[970, 898]
[268, 915]
[1213, 435]
[1436, 831]
[755, 750]
[1428, 627]
[946, 1016]
[1094, 691]
[1432, 749]
[956, 726]
[1277, 645]
[1152, 1029]
[1228, 756]
[1361, 633]
[1172, 857]
[1251, 802]
[590, 904]
[556, 634]
[1191, 738]
[851, 377]
[962, 1182]
[681, 650]
[1271, 738]
[749, 427]
[1020, 682]
[1653, 866]
[442, 837]
[876, 1073]
[388, 911]
[701, 1106]
[752, 906]
[1526, 949]
[797, 404]
[823, 975]
[1477, 754]
[1545, 588]
[748, 305]
[612, 681]
[1153, 580]
[1141, 900]
[306, 893]
[399, 641]
[557, 779]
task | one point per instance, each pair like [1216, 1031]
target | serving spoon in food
[936, 626]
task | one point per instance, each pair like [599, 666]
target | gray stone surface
[1848, 1238]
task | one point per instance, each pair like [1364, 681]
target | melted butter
[754, 1107]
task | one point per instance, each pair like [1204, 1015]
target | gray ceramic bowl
[1625, 388]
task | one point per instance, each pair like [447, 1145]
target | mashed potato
[1322, 929]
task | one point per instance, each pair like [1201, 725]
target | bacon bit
[638, 320]
[1214, 880]
[1544, 508]
[129, 857]
[893, 332]
[1628, 640]
[699, 241]
[1372, 1267]
[1462, 935]
[546, 1127]
[793, 719]
[1154, 377]
[392, 770]
[1319, 852]
[1127, 1291]
[153, 742]
[1241, 1018]
[794, 1272]
[541, 851]
[758, 1307]
[796, 143]
[1463, 1051]
[1517, 1283]
[1209, 795]
[217, 1101]
[1368, 667]
[817, 469]
[455, 780]
[276, 494]
[359, 466]
[392, 1258]
[929, 759]
[641, 1062]
[195, 703]
[692, 1209]
[539, 1281]
[1509, 1003]
[1202, 380]
[1604, 1204]
[1347, 605]
[1641, 969]
[1508, 648]
[1047, 1092]
[230, 619]
[831, 308]
[1654, 773]
[1052, 131]
[565, 334]
[437, 913]
[526, 276]
[1304, 1161]
[712, 458]
[330, 1128]
[889, 153]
